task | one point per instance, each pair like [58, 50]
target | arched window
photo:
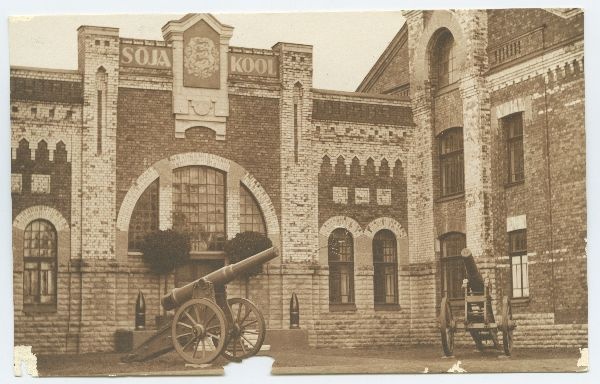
[453, 268]
[385, 268]
[251, 217]
[341, 267]
[144, 218]
[445, 72]
[199, 206]
[451, 159]
[39, 261]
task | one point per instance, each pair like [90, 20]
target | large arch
[163, 168]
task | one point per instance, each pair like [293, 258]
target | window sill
[519, 301]
[31, 309]
[514, 183]
[350, 307]
[387, 307]
[455, 196]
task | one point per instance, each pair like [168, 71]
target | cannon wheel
[247, 332]
[507, 326]
[446, 327]
[196, 323]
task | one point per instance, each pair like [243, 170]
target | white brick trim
[384, 223]
[341, 222]
[201, 159]
[40, 212]
[264, 202]
[514, 223]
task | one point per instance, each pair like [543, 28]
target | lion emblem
[201, 57]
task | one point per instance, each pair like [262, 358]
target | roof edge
[384, 59]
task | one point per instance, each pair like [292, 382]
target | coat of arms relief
[201, 57]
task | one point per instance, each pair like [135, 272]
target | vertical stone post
[477, 142]
[299, 189]
[99, 66]
[421, 230]
[96, 187]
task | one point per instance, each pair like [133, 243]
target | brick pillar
[477, 142]
[298, 178]
[420, 192]
[99, 65]
[96, 286]
[299, 186]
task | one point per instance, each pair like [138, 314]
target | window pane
[453, 269]
[144, 218]
[341, 266]
[200, 208]
[513, 126]
[251, 218]
[385, 268]
[517, 247]
[451, 161]
[39, 267]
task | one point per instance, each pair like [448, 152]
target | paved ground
[313, 361]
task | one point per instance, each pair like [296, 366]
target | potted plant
[244, 245]
[163, 251]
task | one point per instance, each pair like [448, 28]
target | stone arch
[264, 202]
[384, 223]
[166, 165]
[440, 21]
[341, 222]
[40, 212]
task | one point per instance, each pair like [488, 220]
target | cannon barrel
[219, 277]
[476, 282]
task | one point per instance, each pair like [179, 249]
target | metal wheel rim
[197, 324]
[506, 326]
[247, 332]
[446, 327]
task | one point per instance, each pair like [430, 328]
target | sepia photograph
[396, 191]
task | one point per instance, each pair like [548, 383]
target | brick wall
[146, 135]
[97, 286]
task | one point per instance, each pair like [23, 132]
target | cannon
[206, 324]
[479, 320]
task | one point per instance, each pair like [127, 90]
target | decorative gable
[200, 56]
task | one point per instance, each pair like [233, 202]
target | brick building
[468, 131]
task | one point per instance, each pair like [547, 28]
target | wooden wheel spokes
[198, 327]
[447, 327]
[247, 332]
[507, 326]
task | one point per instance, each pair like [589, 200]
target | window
[385, 267]
[39, 260]
[444, 60]
[199, 206]
[517, 249]
[452, 175]
[251, 218]
[453, 268]
[341, 267]
[144, 218]
[513, 125]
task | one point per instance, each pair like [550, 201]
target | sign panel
[201, 57]
[253, 65]
[144, 56]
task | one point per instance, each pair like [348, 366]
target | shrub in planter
[244, 245]
[163, 251]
